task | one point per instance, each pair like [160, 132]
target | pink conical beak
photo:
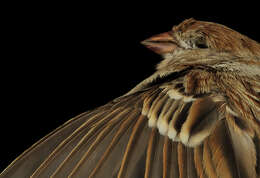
[161, 44]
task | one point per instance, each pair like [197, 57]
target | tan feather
[182, 160]
[22, 166]
[152, 114]
[157, 164]
[174, 169]
[243, 148]
[220, 148]
[150, 153]
[99, 138]
[208, 165]
[136, 130]
[198, 161]
[166, 157]
[53, 161]
[115, 140]
[200, 108]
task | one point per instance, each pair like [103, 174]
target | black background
[63, 59]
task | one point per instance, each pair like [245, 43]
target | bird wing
[157, 130]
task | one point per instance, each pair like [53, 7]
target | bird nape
[197, 116]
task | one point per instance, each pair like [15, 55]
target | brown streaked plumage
[197, 116]
[192, 34]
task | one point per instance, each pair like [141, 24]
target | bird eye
[201, 45]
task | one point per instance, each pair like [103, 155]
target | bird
[197, 116]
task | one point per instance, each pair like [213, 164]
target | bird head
[193, 34]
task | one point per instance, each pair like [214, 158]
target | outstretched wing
[157, 131]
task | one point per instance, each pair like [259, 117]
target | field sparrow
[197, 116]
